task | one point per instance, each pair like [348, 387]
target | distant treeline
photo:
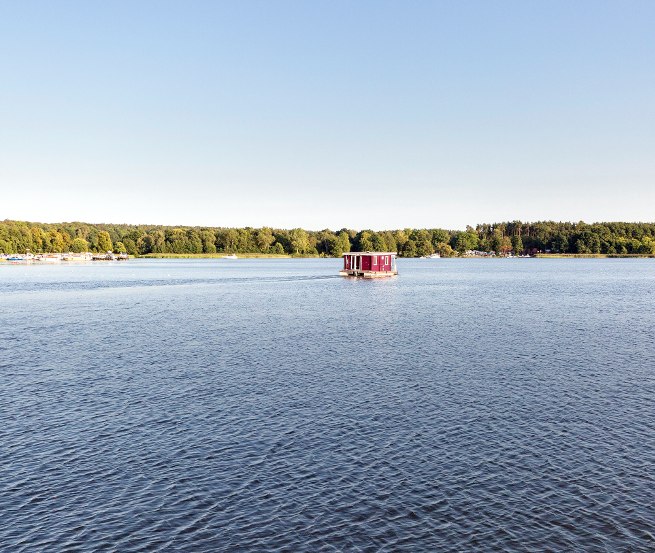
[516, 237]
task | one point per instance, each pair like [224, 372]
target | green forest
[502, 238]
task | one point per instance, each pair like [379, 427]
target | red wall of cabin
[369, 263]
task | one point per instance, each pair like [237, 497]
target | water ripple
[293, 412]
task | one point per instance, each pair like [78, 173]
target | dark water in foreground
[268, 405]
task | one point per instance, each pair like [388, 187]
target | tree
[144, 244]
[130, 246]
[439, 236]
[378, 243]
[208, 238]
[341, 245]
[120, 247]
[400, 237]
[517, 244]
[464, 241]
[104, 242]
[227, 240]
[38, 239]
[55, 242]
[496, 241]
[588, 242]
[424, 247]
[647, 246]
[445, 250]
[506, 245]
[158, 242]
[193, 242]
[364, 241]
[409, 249]
[177, 241]
[560, 243]
[264, 239]
[79, 245]
[299, 241]
[606, 238]
[389, 242]
[325, 242]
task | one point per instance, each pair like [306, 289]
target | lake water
[265, 405]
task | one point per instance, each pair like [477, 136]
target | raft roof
[369, 253]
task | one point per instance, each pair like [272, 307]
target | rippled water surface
[265, 405]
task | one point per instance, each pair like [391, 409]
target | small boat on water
[369, 264]
[48, 258]
[230, 256]
[17, 258]
[51, 258]
[432, 256]
[70, 256]
[109, 256]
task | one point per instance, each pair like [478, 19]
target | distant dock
[56, 258]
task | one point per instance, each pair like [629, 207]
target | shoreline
[594, 255]
[214, 256]
[300, 256]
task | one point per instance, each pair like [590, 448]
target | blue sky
[327, 113]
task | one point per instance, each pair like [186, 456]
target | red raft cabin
[369, 264]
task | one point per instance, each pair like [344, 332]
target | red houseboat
[369, 264]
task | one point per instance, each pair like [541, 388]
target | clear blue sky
[327, 113]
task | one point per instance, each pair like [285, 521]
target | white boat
[49, 258]
[432, 256]
[109, 256]
[231, 256]
[77, 256]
